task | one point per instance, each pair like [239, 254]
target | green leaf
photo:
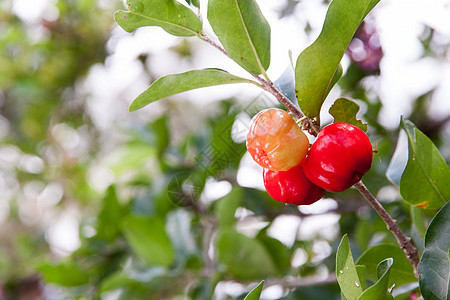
[245, 258]
[196, 3]
[110, 216]
[170, 15]
[281, 256]
[425, 182]
[129, 157]
[345, 110]
[318, 66]
[401, 272]
[115, 281]
[379, 291]
[177, 83]
[434, 266]
[147, 237]
[362, 275]
[336, 76]
[346, 273]
[418, 220]
[226, 207]
[65, 274]
[243, 32]
[161, 132]
[255, 293]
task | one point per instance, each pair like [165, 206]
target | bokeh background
[76, 168]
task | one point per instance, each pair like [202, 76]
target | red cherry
[275, 141]
[291, 186]
[339, 157]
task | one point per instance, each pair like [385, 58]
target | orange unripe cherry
[275, 141]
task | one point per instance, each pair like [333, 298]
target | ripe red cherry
[339, 157]
[291, 186]
[275, 141]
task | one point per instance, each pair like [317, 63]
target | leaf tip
[133, 106]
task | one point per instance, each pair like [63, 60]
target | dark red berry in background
[339, 157]
[291, 186]
[275, 141]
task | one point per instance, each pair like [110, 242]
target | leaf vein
[427, 177]
[252, 45]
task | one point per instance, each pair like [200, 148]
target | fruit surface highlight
[291, 186]
[339, 157]
[275, 141]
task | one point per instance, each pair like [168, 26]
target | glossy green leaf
[346, 273]
[148, 239]
[379, 291]
[434, 266]
[65, 274]
[345, 110]
[255, 294]
[418, 220]
[401, 271]
[318, 66]
[243, 32]
[170, 15]
[336, 76]
[243, 257]
[177, 83]
[425, 182]
[361, 270]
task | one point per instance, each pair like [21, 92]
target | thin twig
[206, 38]
[266, 85]
[403, 241]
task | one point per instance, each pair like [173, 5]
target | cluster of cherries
[297, 174]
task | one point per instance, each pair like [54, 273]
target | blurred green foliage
[153, 234]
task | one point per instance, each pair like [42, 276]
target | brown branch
[402, 240]
[269, 87]
[206, 38]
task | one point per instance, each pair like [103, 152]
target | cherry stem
[402, 240]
